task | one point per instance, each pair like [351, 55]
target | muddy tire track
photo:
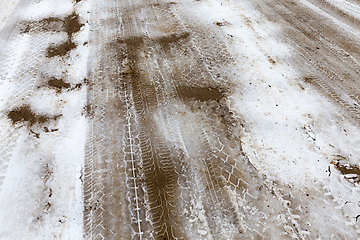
[104, 172]
[168, 86]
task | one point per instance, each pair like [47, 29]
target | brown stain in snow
[160, 181]
[25, 114]
[350, 171]
[71, 25]
[58, 84]
[200, 93]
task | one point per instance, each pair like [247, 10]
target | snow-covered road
[183, 119]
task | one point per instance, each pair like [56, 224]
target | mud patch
[351, 172]
[58, 84]
[61, 50]
[200, 93]
[71, 25]
[25, 114]
[159, 173]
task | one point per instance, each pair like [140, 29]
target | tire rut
[162, 75]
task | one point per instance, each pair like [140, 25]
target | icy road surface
[182, 119]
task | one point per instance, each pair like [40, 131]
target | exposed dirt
[160, 182]
[71, 25]
[58, 84]
[351, 172]
[61, 49]
[25, 114]
[199, 93]
[147, 76]
[167, 39]
[164, 156]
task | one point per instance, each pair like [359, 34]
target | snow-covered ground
[87, 87]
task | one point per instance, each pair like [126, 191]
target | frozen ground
[183, 119]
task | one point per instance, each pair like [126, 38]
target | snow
[49, 8]
[7, 8]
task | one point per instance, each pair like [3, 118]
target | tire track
[152, 156]
[328, 60]
[164, 137]
[168, 45]
[105, 210]
[309, 41]
[164, 157]
[321, 68]
[216, 160]
[341, 13]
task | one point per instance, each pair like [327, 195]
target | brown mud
[51, 24]
[175, 37]
[201, 94]
[164, 158]
[132, 170]
[25, 114]
[61, 49]
[33, 121]
[350, 171]
[70, 25]
[148, 74]
[151, 163]
[159, 181]
[58, 84]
